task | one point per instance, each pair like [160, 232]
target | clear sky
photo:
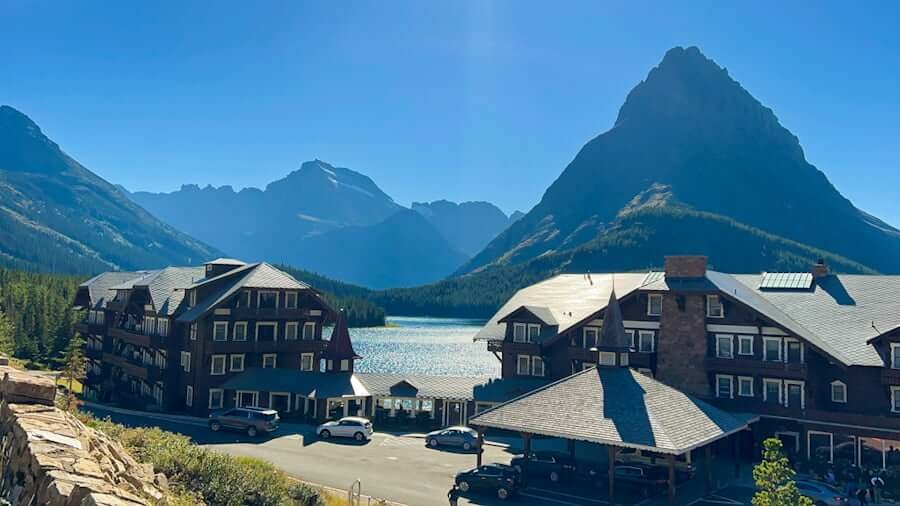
[461, 100]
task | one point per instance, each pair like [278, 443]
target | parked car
[253, 421]
[354, 427]
[550, 465]
[822, 494]
[645, 480]
[631, 456]
[499, 479]
[460, 437]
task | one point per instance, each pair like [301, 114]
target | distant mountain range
[334, 221]
[57, 215]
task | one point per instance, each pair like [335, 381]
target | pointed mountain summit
[57, 215]
[691, 141]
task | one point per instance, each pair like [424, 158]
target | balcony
[136, 369]
[136, 337]
[244, 313]
[85, 328]
[785, 370]
[253, 346]
[93, 353]
[495, 346]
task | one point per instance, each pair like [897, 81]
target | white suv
[356, 427]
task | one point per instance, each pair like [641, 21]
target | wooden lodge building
[812, 358]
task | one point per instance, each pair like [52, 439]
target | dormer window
[589, 339]
[290, 300]
[192, 298]
[714, 307]
[520, 332]
[838, 392]
[654, 304]
[534, 332]
[267, 299]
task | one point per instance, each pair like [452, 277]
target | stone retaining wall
[48, 457]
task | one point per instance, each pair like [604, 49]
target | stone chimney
[687, 266]
[820, 269]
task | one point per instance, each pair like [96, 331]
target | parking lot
[392, 465]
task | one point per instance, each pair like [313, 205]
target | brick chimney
[820, 269]
[687, 266]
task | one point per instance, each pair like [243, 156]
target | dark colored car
[460, 437]
[645, 480]
[549, 465]
[498, 479]
[253, 421]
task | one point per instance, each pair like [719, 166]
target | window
[220, 331]
[745, 345]
[645, 341]
[590, 337]
[838, 391]
[534, 332]
[793, 351]
[724, 386]
[794, 394]
[217, 366]
[745, 386]
[239, 331]
[309, 331]
[772, 349]
[149, 326]
[290, 330]
[193, 331]
[162, 326]
[607, 358]
[537, 366]
[216, 398]
[186, 361]
[237, 362]
[267, 299]
[523, 365]
[772, 391]
[654, 304]
[192, 298]
[290, 300]
[895, 399]
[189, 396]
[306, 361]
[714, 307]
[724, 346]
[520, 332]
[630, 333]
[895, 355]
[345, 365]
[270, 360]
[243, 299]
[267, 331]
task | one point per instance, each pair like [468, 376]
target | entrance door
[454, 413]
[247, 399]
[790, 441]
[280, 403]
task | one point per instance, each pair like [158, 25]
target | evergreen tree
[7, 335]
[774, 478]
[74, 368]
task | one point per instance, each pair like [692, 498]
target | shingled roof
[619, 407]
[340, 346]
[99, 289]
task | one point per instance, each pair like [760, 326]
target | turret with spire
[613, 345]
[339, 355]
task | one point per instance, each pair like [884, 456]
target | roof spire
[612, 334]
[340, 347]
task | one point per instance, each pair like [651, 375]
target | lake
[420, 345]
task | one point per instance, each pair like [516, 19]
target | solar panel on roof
[786, 281]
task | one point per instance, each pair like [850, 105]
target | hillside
[693, 130]
[57, 215]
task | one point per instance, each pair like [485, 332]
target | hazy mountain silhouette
[469, 226]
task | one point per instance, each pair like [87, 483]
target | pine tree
[7, 335]
[75, 368]
[774, 478]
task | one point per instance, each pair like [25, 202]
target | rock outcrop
[49, 457]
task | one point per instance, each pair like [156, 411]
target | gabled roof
[615, 406]
[542, 313]
[166, 286]
[440, 387]
[226, 261]
[294, 381]
[569, 298]
[100, 288]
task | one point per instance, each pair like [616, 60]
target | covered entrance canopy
[619, 408]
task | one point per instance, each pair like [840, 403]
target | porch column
[612, 473]
[707, 463]
[372, 409]
[526, 442]
[737, 455]
[571, 448]
[465, 413]
[670, 462]
[433, 407]
[346, 403]
[480, 446]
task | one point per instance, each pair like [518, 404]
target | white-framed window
[149, 326]
[654, 304]
[186, 361]
[345, 365]
[623, 359]
[745, 345]
[266, 331]
[724, 386]
[745, 386]
[217, 365]
[239, 331]
[216, 398]
[220, 331]
[162, 326]
[646, 342]
[237, 362]
[520, 333]
[243, 299]
[189, 396]
[714, 307]
[537, 366]
[589, 337]
[270, 360]
[895, 399]
[534, 332]
[267, 299]
[838, 392]
[523, 365]
[895, 355]
[607, 358]
[194, 331]
[793, 350]
[192, 298]
[724, 346]
[772, 391]
[631, 338]
[309, 331]
[290, 330]
[794, 394]
[306, 361]
[772, 349]
[290, 300]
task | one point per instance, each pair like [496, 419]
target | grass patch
[77, 387]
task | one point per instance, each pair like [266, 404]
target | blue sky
[460, 100]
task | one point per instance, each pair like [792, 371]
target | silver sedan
[459, 437]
